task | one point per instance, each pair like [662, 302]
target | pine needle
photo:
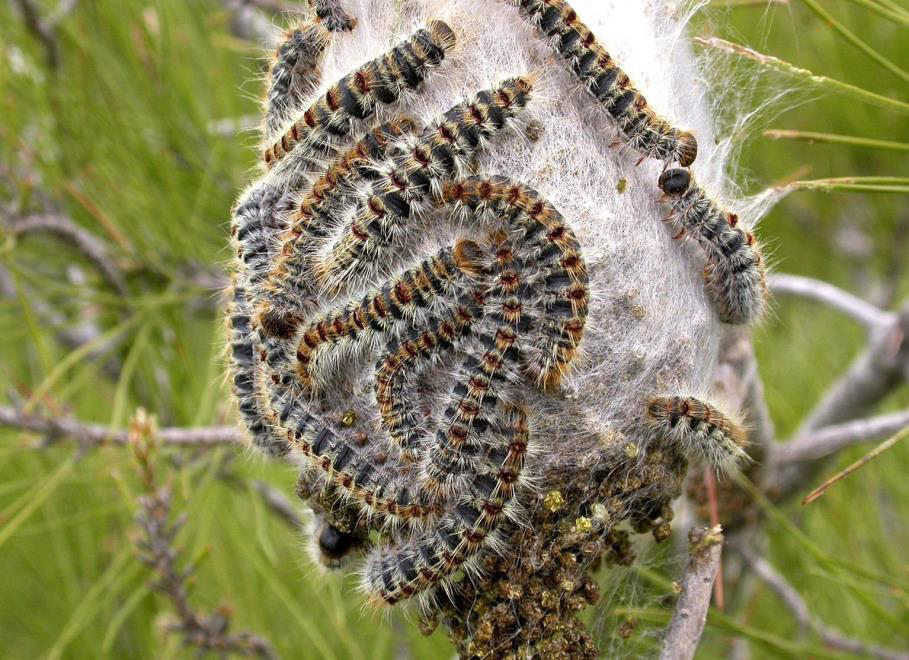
[839, 476]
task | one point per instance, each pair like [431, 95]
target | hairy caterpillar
[734, 275]
[699, 428]
[441, 277]
[646, 132]
[278, 312]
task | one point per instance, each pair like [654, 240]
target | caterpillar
[393, 574]
[283, 292]
[646, 132]
[403, 362]
[735, 274]
[699, 428]
[557, 282]
[332, 15]
[438, 279]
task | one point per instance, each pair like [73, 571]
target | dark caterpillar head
[334, 545]
[675, 182]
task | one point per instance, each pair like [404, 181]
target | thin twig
[81, 239]
[873, 375]
[856, 184]
[733, 4]
[276, 502]
[273, 6]
[738, 380]
[71, 337]
[833, 439]
[870, 378]
[842, 474]
[824, 292]
[795, 604]
[856, 41]
[719, 596]
[90, 436]
[250, 23]
[207, 633]
[690, 615]
[830, 138]
[273, 498]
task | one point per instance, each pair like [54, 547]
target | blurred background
[125, 135]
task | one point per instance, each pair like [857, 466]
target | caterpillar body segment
[699, 428]
[244, 363]
[469, 431]
[289, 284]
[432, 557]
[333, 16]
[735, 273]
[294, 73]
[439, 280]
[551, 290]
[645, 131]
[255, 220]
[405, 360]
[354, 97]
[737, 284]
[414, 178]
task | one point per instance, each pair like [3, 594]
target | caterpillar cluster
[399, 381]
[734, 275]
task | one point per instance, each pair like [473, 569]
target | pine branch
[835, 438]
[690, 615]
[83, 240]
[90, 436]
[832, 296]
[795, 604]
[207, 633]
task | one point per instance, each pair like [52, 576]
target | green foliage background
[121, 138]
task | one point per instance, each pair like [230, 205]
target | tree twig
[795, 604]
[832, 439]
[64, 9]
[824, 292]
[90, 436]
[874, 374]
[250, 23]
[273, 498]
[71, 337]
[207, 633]
[690, 615]
[738, 380]
[84, 241]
